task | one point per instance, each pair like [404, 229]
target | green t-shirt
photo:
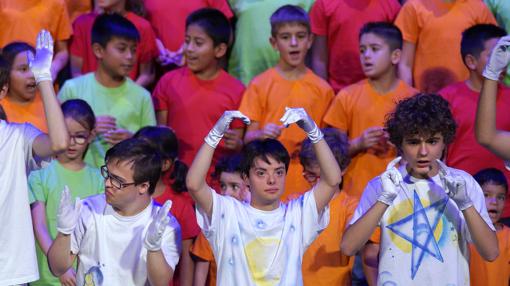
[46, 186]
[130, 104]
[252, 53]
[501, 11]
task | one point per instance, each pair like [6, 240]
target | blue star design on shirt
[421, 235]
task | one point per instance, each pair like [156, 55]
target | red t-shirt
[464, 152]
[340, 21]
[194, 106]
[81, 43]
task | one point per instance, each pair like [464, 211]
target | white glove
[41, 64]
[299, 116]
[213, 138]
[157, 227]
[498, 60]
[68, 213]
[391, 180]
[455, 187]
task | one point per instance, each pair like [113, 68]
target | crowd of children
[237, 142]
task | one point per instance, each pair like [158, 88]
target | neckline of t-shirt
[110, 210]
[263, 212]
[111, 90]
[278, 74]
[375, 91]
[68, 171]
[219, 77]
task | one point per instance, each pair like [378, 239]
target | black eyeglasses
[114, 181]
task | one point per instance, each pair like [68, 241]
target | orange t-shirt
[23, 19]
[496, 273]
[32, 112]
[202, 249]
[264, 101]
[323, 263]
[75, 8]
[437, 60]
[356, 108]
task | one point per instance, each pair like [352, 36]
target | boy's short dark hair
[474, 38]
[4, 72]
[80, 111]
[491, 176]
[263, 149]
[146, 161]
[228, 164]
[214, 23]
[11, 50]
[107, 26]
[289, 14]
[387, 31]
[338, 143]
[423, 114]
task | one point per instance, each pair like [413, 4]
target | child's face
[484, 55]
[233, 185]
[199, 50]
[123, 173]
[21, 80]
[118, 57]
[292, 40]
[267, 183]
[80, 138]
[495, 196]
[312, 173]
[376, 56]
[421, 154]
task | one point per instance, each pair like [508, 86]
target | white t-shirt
[255, 247]
[110, 247]
[424, 236]
[18, 262]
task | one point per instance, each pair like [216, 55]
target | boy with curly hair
[427, 212]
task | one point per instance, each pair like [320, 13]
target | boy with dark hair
[427, 212]
[122, 234]
[121, 106]
[359, 109]
[289, 83]
[263, 242]
[199, 93]
[465, 152]
[495, 188]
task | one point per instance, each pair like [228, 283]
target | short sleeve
[478, 199]
[160, 96]
[189, 226]
[63, 23]
[148, 49]
[30, 133]
[171, 244]
[407, 22]
[79, 40]
[486, 16]
[251, 103]
[318, 19]
[148, 117]
[313, 222]
[221, 5]
[37, 192]
[338, 114]
[368, 199]
[222, 216]
[81, 228]
[65, 92]
[202, 249]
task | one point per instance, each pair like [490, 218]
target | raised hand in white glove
[40, 65]
[68, 212]
[498, 59]
[391, 181]
[454, 187]
[154, 234]
[301, 118]
[213, 138]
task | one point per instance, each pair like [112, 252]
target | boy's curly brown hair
[423, 114]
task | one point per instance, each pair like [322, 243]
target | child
[464, 152]
[121, 106]
[359, 109]
[263, 242]
[68, 169]
[121, 237]
[289, 83]
[195, 95]
[22, 103]
[323, 263]
[335, 25]
[432, 30]
[172, 186]
[427, 212]
[83, 54]
[22, 147]
[228, 172]
[495, 187]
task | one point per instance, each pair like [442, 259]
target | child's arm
[186, 264]
[320, 56]
[76, 63]
[405, 67]
[195, 180]
[201, 272]
[40, 227]
[497, 141]
[330, 171]
[146, 74]
[57, 138]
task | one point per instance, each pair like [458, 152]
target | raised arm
[196, 178]
[497, 141]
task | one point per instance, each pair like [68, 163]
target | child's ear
[92, 136]
[98, 50]
[311, 38]
[167, 164]
[245, 179]
[3, 91]
[272, 41]
[395, 56]
[143, 188]
[471, 62]
[220, 50]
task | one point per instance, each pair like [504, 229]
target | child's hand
[391, 180]
[232, 140]
[115, 136]
[498, 60]
[370, 138]
[155, 231]
[68, 212]
[301, 118]
[213, 138]
[456, 190]
[105, 124]
[40, 65]
[68, 278]
[272, 131]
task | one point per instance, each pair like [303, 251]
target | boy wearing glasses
[121, 237]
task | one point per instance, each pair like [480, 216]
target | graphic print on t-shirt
[94, 276]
